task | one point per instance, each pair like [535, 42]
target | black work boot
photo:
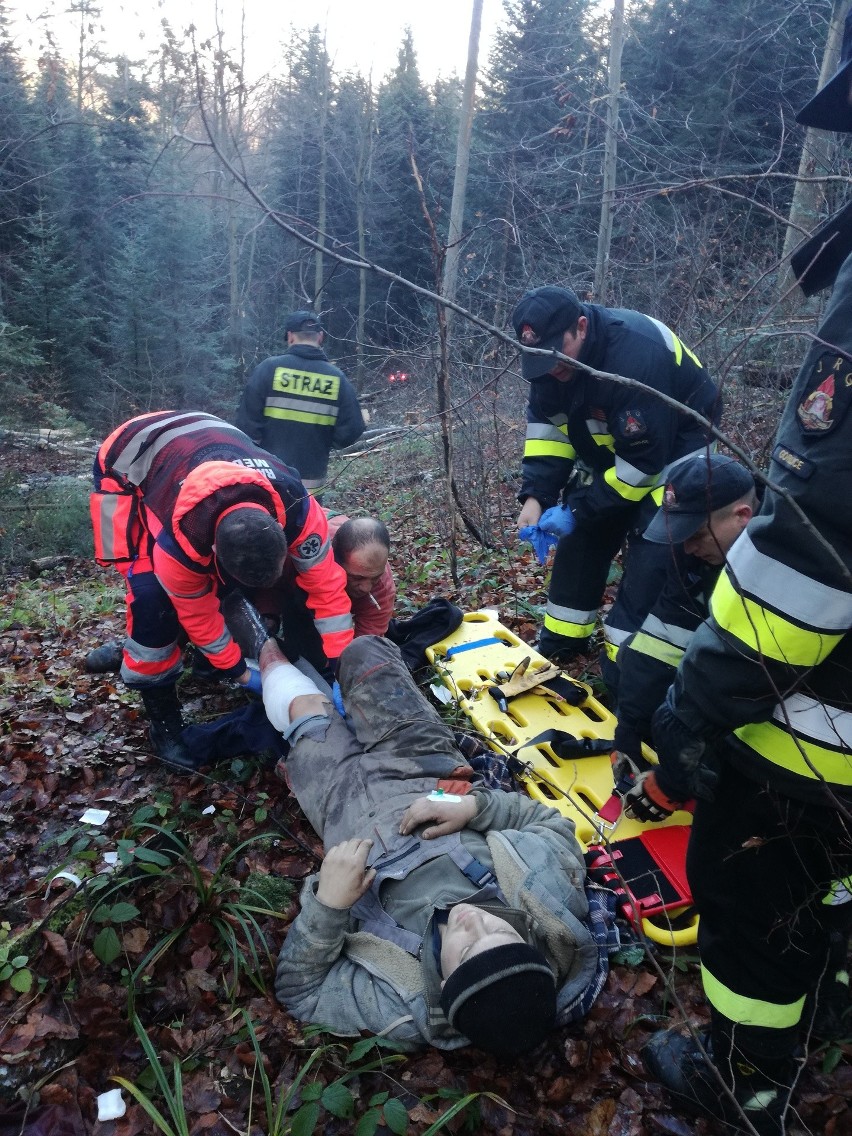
[561, 649]
[762, 1093]
[166, 726]
[105, 659]
[245, 623]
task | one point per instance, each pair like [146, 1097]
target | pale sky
[361, 35]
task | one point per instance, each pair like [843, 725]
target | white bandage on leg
[282, 682]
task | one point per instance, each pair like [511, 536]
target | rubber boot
[166, 726]
[761, 1085]
[245, 623]
[106, 659]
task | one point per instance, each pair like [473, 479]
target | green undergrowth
[41, 605]
[48, 517]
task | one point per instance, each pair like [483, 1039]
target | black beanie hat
[503, 1000]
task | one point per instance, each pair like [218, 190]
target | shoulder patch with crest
[631, 424]
[828, 392]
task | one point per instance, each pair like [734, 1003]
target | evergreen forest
[160, 216]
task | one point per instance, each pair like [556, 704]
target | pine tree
[534, 137]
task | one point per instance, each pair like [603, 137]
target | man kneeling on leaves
[444, 913]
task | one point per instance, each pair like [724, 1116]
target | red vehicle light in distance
[398, 377]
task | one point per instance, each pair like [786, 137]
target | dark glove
[625, 769]
[627, 756]
[647, 802]
[686, 768]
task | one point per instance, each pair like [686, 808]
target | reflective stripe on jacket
[299, 406]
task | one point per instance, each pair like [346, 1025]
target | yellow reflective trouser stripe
[839, 893]
[657, 649]
[800, 756]
[300, 416]
[611, 650]
[764, 631]
[572, 630]
[538, 448]
[628, 492]
[750, 1011]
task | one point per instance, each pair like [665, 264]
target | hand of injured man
[344, 876]
[449, 816]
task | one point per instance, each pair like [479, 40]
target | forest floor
[161, 928]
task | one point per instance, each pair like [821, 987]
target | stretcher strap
[472, 646]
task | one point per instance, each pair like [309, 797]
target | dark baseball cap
[303, 321]
[541, 319]
[829, 109]
[695, 489]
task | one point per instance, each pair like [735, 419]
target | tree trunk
[610, 152]
[451, 261]
[365, 155]
[319, 278]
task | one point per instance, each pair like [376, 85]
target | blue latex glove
[542, 542]
[337, 699]
[254, 684]
[557, 521]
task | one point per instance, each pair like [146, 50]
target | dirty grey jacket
[329, 972]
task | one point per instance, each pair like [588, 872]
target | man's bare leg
[288, 695]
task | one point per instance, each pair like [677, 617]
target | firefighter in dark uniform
[707, 503]
[299, 406]
[758, 725]
[626, 440]
[188, 509]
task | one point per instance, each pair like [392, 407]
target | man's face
[364, 568]
[469, 932]
[572, 343]
[713, 541]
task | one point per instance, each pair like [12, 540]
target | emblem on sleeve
[528, 336]
[309, 549]
[632, 424]
[827, 394]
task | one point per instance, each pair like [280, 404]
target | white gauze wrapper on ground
[283, 682]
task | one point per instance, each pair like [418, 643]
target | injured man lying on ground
[444, 913]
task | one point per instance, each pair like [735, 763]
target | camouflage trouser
[357, 777]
